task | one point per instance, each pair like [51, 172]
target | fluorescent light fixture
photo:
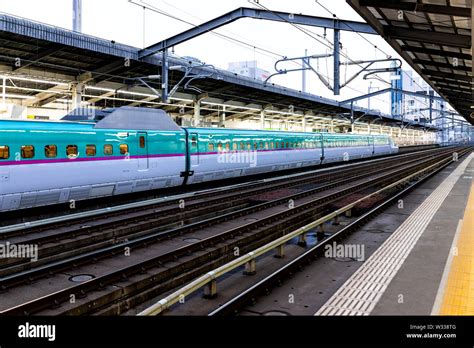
[19, 96]
[102, 89]
[181, 99]
[19, 78]
[231, 106]
[36, 90]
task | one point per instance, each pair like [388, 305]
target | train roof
[125, 118]
[44, 125]
[251, 131]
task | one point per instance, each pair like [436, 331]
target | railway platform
[426, 265]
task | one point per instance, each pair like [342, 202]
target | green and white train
[128, 150]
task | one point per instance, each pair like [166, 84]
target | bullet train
[124, 150]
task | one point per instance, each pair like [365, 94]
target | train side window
[71, 150]
[261, 145]
[193, 142]
[210, 147]
[227, 146]
[272, 145]
[142, 141]
[235, 146]
[90, 150]
[255, 146]
[219, 147]
[249, 146]
[123, 149]
[266, 145]
[109, 150]
[4, 152]
[50, 151]
[242, 145]
[287, 145]
[27, 151]
[277, 144]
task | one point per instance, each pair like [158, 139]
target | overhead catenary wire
[329, 45]
[363, 37]
[253, 46]
[241, 42]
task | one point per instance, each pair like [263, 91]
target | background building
[249, 69]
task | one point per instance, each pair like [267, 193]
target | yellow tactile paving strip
[458, 296]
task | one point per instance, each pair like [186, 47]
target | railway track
[262, 287]
[65, 239]
[116, 291]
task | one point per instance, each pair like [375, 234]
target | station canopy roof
[434, 37]
[43, 61]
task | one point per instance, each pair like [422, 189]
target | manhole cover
[81, 278]
[191, 240]
[276, 313]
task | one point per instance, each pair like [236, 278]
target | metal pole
[222, 117]
[197, 114]
[77, 15]
[337, 39]
[144, 26]
[4, 91]
[304, 60]
[164, 74]
[431, 107]
[368, 99]
[352, 113]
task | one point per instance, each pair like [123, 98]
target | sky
[127, 23]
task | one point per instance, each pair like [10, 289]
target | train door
[194, 149]
[142, 151]
[371, 145]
